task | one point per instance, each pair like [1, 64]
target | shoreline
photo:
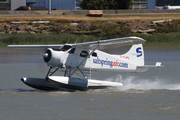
[154, 40]
[58, 29]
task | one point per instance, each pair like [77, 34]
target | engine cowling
[53, 57]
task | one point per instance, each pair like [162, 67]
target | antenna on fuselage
[76, 40]
[68, 41]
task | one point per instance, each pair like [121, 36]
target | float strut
[48, 72]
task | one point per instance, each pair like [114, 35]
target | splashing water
[133, 82]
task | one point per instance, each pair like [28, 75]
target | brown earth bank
[81, 24]
[126, 17]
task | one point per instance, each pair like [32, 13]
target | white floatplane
[82, 58]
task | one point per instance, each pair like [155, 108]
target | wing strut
[77, 68]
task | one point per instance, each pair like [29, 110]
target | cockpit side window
[94, 54]
[72, 51]
[84, 53]
[65, 48]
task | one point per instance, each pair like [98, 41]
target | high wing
[34, 46]
[111, 43]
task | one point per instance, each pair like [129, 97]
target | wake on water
[135, 83]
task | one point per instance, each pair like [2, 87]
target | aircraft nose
[47, 55]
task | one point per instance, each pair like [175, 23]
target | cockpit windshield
[65, 48]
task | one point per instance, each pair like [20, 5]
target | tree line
[105, 4]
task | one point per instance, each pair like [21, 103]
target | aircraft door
[72, 59]
[83, 55]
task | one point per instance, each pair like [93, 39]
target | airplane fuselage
[98, 60]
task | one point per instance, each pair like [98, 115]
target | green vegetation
[168, 27]
[166, 34]
[42, 38]
[106, 4]
[164, 39]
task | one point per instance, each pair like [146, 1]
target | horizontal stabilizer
[158, 64]
[145, 67]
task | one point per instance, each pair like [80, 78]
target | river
[154, 94]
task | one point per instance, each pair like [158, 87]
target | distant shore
[157, 29]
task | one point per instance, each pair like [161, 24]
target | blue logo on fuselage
[138, 50]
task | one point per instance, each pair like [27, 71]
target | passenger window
[83, 53]
[72, 51]
[94, 54]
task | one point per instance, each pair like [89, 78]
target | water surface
[154, 94]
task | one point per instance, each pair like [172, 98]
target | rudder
[136, 54]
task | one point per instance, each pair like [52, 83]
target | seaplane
[77, 61]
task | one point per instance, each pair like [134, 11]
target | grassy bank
[164, 39]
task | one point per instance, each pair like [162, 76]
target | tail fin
[136, 54]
